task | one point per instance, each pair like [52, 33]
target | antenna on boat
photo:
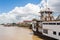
[46, 4]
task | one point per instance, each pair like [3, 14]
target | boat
[47, 25]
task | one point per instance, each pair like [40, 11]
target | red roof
[27, 21]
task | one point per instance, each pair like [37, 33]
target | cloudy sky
[19, 10]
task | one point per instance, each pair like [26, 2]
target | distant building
[27, 22]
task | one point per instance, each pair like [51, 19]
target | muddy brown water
[17, 33]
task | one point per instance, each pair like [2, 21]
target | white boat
[47, 28]
[47, 25]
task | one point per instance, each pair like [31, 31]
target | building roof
[27, 21]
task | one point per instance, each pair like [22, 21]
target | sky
[8, 5]
[13, 11]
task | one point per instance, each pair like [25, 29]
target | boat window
[58, 23]
[49, 23]
[52, 23]
[59, 33]
[45, 23]
[45, 31]
[54, 32]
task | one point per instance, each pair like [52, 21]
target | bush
[24, 25]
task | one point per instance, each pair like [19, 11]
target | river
[17, 33]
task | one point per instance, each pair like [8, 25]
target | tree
[34, 19]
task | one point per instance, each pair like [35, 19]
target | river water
[17, 33]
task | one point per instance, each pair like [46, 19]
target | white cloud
[27, 12]
[55, 6]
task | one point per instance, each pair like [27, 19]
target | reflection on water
[36, 38]
[17, 33]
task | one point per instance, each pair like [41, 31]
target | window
[52, 23]
[45, 23]
[58, 23]
[54, 32]
[45, 31]
[49, 23]
[59, 33]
